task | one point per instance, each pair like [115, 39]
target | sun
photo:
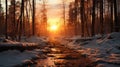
[53, 24]
[53, 27]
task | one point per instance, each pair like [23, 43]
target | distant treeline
[90, 17]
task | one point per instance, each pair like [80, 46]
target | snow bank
[6, 42]
[30, 44]
[14, 53]
[31, 41]
[99, 48]
[115, 35]
[13, 57]
[38, 40]
[35, 39]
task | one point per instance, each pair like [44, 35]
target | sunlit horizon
[55, 11]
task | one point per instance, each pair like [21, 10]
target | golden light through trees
[53, 28]
[53, 12]
[53, 25]
[58, 17]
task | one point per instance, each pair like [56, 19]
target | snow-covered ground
[10, 58]
[31, 41]
[104, 50]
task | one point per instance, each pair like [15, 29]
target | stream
[57, 55]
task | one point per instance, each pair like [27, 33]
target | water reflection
[61, 60]
[55, 50]
[60, 56]
[45, 62]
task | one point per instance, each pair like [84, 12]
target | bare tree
[111, 5]
[63, 3]
[101, 16]
[2, 18]
[93, 18]
[27, 18]
[76, 14]
[0, 10]
[44, 18]
[14, 13]
[116, 16]
[33, 18]
[70, 24]
[82, 17]
[21, 19]
[6, 24]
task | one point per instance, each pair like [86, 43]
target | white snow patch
[39, 40]
[99, 48]
[14, 57]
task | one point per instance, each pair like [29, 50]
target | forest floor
[98, 51]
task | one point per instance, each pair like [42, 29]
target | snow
[6, 42]
[107, 65]
[31, 41]
[42, 41]
[103, 49]
[10, 58]
[35, 39]
[13, 57]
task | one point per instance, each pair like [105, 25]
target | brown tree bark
[101, 16]
[6, 24]
[82, 17]
[116, 16]
[33, 18]
[93, 18]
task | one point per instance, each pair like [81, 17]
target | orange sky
[54, 9]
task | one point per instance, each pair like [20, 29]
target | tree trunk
[82, 18]
[6, 24]
[116, 17]
[21, 19]
[75, 17]
[93, 18]
[14, 22]
[101, 16]
[64, 17]
[0, 11]
[111, 22]
[33, 18]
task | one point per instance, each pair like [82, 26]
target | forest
[85, 17]
[59, 33]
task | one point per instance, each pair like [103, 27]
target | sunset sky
[54, 8]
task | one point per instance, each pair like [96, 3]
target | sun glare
[53, 24]
[53, 27]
